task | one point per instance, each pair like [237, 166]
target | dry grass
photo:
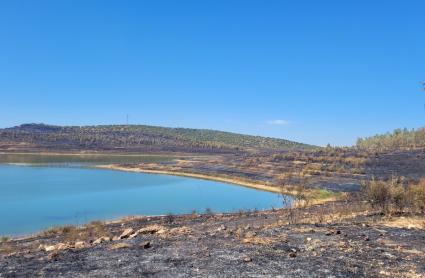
[93, 230]
[259, 240]
[409, 222]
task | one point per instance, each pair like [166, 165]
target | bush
[418, 195]
[394, 195]
[378, 194]
[399, 197]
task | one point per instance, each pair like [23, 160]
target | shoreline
[234, 181]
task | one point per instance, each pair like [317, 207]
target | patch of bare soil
[330, 240]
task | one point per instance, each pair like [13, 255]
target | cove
[36, 198]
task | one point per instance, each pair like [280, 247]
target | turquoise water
[36, 198]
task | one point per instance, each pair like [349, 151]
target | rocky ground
[332, 240]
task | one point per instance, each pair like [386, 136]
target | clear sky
[310, 71]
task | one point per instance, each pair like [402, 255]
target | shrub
[399, 197]
[394, 194]
[418, 195]
[377, 194]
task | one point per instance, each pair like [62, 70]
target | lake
[36, 198]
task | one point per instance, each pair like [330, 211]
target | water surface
[35, 198]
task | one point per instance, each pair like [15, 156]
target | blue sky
[311, 71]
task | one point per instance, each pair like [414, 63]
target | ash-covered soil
[331, 240]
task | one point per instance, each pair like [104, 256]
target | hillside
[134, 138]
[399, 139]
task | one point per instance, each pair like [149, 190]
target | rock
[49, 248]
[178, 231]
[308, 239]
[222, 228]
[62, 246]
[292, 255]
[389, 256]
[332, 232]
[126, 233]
[145, 244]
[115, 238]
[53, 256]
[133, 235]
[247, 259]
[152, 229]
[101, 240]
[80, 245]
[120, 245]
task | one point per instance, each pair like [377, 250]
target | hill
[399, 139]
[134, 138]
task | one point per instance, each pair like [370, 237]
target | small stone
[53, 256]
[222, 228]
[247, 259]
[292, 255]
[389, 256]
[145, 244]
[308, 239]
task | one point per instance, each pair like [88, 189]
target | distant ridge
[135, 138]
